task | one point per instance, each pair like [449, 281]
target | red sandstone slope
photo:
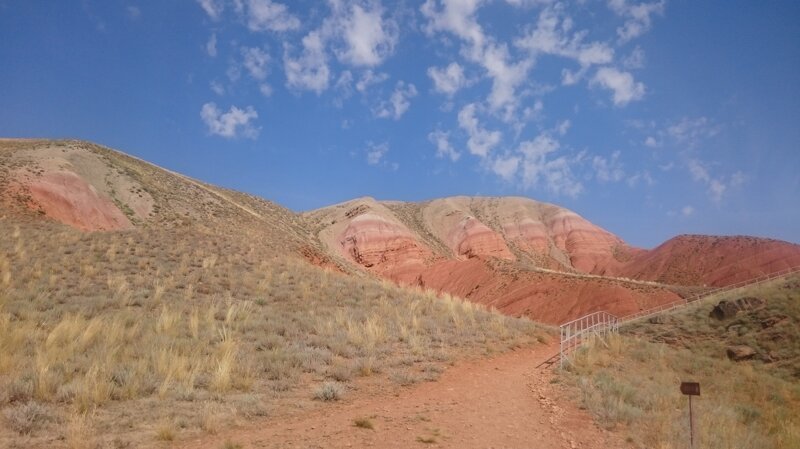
[712, 260]
[492, 251]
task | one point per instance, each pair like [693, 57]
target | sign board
[690, 388]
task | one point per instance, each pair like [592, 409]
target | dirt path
[502, 402]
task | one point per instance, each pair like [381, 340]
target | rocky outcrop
[471, 238]
[740, 352]
[728, 309]
[377, 243]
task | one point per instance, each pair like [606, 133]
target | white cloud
[563, 127]
[692, 131]
[217, 88]
[687, 211]
[211, 45]
[448, 80]
[480, 141]
[399, 102]
[622, 84]
[716, 186]
[368, 37]
[459, 18]
[528, 3]
[231, 124]
[506, 78]
[265, 89]
[608, 170]
[376, 155]
[506, 167]
[255, 61]
[635, 60]
[643, 176]
[539, 168]
[651, 142]
[369, 78]
[212, 7]
[552, 36]
[443, 147]
[716, 189]
[266, 15]
[638, 20]
[455, 16]
[310, 71]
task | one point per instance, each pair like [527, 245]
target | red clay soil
[590, 248]
[66, 197]
[543, 297]
[379, 244]
[470, 238]
[711, 260]
[502, 402]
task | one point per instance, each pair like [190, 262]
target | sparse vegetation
[364, 423]
[329, 391]
[633, 379]
[26, 418]
[189, 316]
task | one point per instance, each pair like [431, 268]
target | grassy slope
[633, 382]
[201, 317]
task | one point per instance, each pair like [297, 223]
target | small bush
[26, 418]
[363, 423]
[329, 391]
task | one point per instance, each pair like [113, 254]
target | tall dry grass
[632, 380]
[161, 319]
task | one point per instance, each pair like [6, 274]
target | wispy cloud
[211, 45]
[448, 80]
[480, 141]
[624, 88]
[376, 155]
[213, 8]
[444, 149]
[234, 123]
[267, 15]
[310, 70]
[637, 15]
[399, 102]
[368, 36]
[608, 169]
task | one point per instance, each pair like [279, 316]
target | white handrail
[601, 323]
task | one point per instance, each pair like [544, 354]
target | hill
[190, 308]
[743, 347]
[521, 256]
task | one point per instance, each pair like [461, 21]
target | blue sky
[650, 118]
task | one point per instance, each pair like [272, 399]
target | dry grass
[633, 380]
[363, 423]
[99, 324]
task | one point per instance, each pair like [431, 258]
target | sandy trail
[501, 402]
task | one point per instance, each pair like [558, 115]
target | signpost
[690, 389]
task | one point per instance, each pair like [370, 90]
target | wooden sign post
[690, 389]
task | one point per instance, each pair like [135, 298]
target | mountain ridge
[504, 252]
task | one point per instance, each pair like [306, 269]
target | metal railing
[576, 332]
[599, 324]
[705, 294]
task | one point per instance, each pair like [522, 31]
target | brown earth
[507, 401]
